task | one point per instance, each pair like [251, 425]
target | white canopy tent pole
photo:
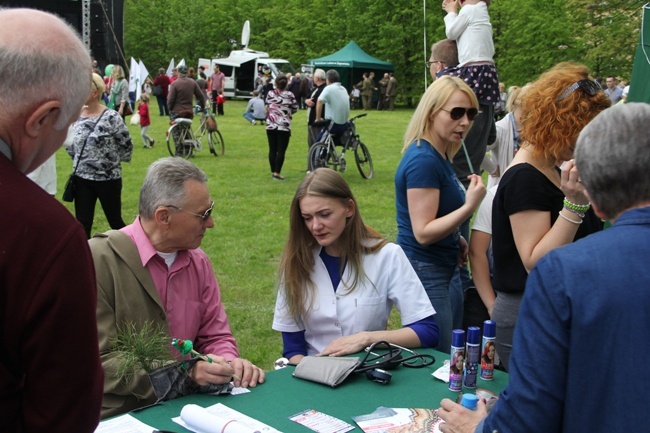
[424, 31]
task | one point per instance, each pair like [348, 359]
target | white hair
[52, 64]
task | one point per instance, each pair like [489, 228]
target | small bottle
[469, 401]
[473, 356]
[456, 367]
[488, 351]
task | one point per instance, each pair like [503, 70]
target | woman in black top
[539, 207]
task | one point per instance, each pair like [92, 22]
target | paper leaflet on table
[219, 418]
[321, 422]
[443, 372]
[123, 424]
[399, 420]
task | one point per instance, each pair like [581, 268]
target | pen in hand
[185, 347]
[234, 376]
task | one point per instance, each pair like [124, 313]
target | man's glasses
[457, 113]
[429, 63]
[590, 87]
[203, 217]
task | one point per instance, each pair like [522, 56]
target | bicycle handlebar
[328, 122]
[197, 107]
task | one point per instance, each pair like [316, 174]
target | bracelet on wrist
[569, 219]
[580, 214]
[582, 208]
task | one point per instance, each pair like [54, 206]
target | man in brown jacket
[181, 101]
[391, 92]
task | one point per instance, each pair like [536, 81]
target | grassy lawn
[251, 209]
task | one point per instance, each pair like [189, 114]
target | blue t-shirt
[424, 167]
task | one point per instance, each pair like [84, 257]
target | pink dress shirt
[190, 295]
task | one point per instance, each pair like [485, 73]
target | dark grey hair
[333, 76]
[66, 64]
[613, 157]
[164, 184]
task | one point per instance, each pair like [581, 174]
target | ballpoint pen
[186, 348]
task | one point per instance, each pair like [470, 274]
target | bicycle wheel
[364, 161]
[319, 156]
[183, 135]
[215, 141]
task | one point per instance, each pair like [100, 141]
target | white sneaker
[253, 122]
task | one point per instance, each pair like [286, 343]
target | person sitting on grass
[255, 109]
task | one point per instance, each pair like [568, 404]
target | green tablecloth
[283, 395]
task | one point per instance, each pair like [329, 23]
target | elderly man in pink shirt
[153, 271]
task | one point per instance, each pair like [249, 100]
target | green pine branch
[143, 348]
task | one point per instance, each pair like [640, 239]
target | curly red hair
[550, 126]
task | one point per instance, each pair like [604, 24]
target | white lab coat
[390, 281]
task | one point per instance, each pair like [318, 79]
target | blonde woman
[119, 97]
[101, 142]
[504, 148]
[431, 202]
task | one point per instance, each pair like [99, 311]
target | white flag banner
[170, 67]
[134, 75]
[181, 63]
[144, 73]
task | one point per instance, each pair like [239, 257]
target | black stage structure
[104, 23]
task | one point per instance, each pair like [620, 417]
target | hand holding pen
[215, 371]
[212, 374]
[218, 370]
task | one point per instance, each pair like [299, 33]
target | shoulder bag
[70, 187]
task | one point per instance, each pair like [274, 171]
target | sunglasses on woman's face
[457, 113]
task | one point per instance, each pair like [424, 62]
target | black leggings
[278, 143]
[108, 192]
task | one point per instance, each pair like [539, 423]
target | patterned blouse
[109, 143]
[281, 105]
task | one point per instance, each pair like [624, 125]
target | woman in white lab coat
[340, 279]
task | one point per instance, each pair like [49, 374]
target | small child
[354, 98]
[145, 121]
[472, 31]
[220, 101]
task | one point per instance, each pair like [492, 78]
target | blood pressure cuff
[329, 370]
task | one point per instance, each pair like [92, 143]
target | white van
[242, 68]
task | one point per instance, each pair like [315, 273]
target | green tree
[608, 32]
[530, 35]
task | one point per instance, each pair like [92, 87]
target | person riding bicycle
[181, 101]
[337, 107]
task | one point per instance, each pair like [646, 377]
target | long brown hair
[297, 261]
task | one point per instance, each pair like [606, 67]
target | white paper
[241, 423]
[123, 424]
[239, 390]
[443, 372]
[321, 422]
[387, 420]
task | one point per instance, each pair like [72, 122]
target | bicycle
[191, 141]
[324, 153]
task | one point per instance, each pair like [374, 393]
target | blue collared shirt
[581, 340]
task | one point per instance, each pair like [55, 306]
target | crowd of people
[564, 157]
